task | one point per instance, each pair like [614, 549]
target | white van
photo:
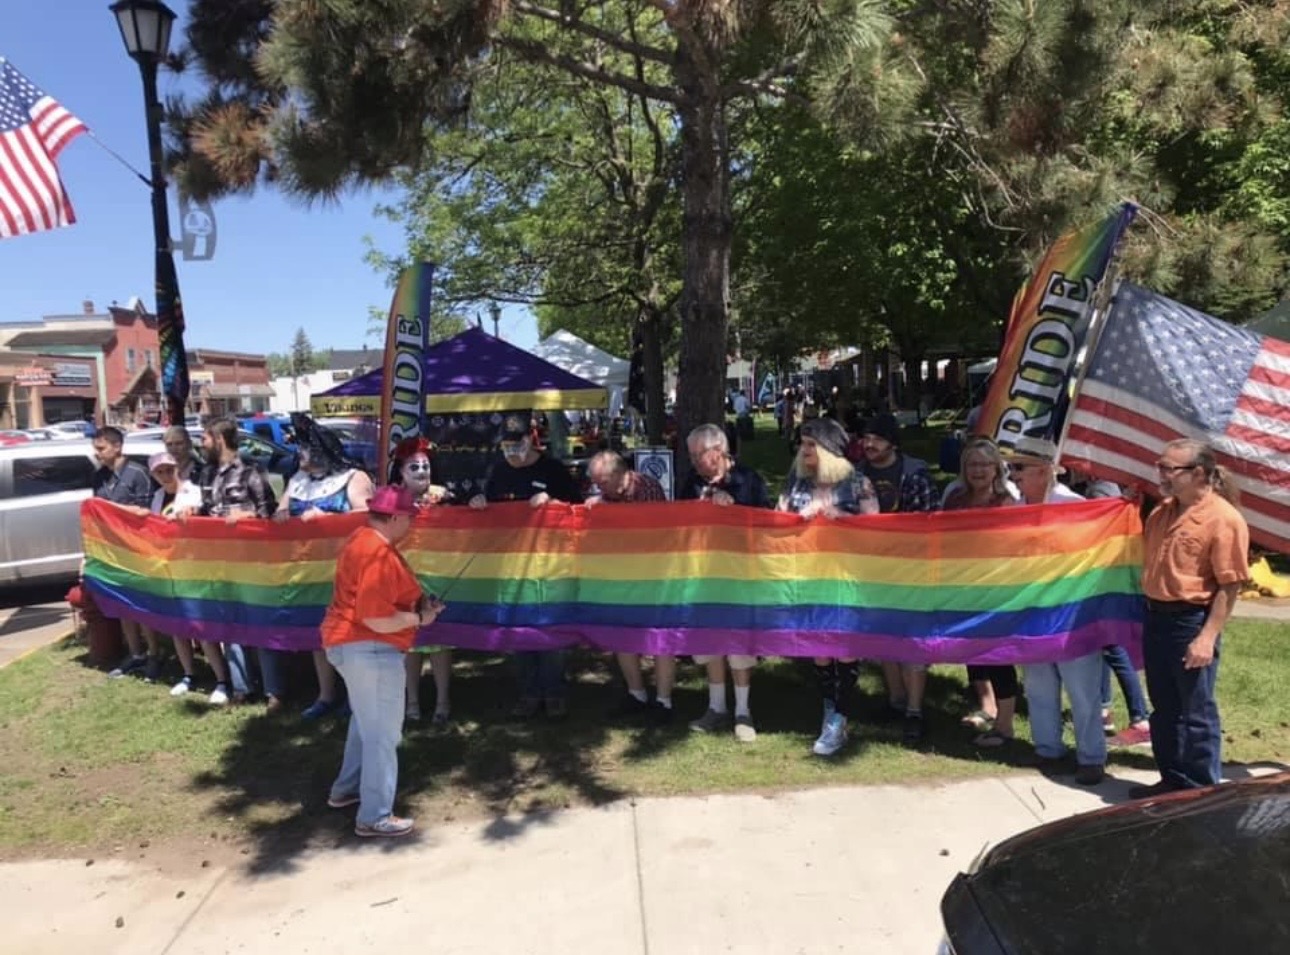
[42, 485]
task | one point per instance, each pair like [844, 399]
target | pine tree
[302, 355]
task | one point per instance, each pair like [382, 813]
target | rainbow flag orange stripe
[1017, 585]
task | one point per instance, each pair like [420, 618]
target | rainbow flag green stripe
[1012, 585]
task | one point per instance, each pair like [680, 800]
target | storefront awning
[224, 390]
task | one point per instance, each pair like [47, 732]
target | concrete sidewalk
[828, 870]
[24, 630]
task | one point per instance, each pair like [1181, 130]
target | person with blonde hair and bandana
[823, 483]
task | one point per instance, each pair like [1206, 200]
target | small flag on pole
[33, 131]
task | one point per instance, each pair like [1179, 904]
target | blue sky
[278, 265]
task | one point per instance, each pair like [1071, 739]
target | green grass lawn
[92, 764]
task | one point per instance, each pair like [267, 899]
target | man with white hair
[715, 476]
[1034, 468]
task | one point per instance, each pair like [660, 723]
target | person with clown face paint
[411, 468]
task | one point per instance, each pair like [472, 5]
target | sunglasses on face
[1174, 468]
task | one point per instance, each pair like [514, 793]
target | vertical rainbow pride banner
[407, 336]
[1047, 327]
[997, 585]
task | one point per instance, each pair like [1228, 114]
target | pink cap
[390, 500]
[161, 460]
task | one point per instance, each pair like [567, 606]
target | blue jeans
[541, 674]
[1116, 658]
[373, 671]
[1083, 681]
[243, 677]
[1186, 737]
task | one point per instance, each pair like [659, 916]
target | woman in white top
[176, 494]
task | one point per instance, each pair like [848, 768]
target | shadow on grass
[272, 773]
[516, 772]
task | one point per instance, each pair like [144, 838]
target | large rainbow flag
[1047, 326]
[1012, 585]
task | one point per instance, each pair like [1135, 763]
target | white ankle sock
[717, 697]
[640, 695]
[741, 700]
[664, 701]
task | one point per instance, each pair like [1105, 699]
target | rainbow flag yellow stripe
[1014, 585]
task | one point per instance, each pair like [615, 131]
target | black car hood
[1205, 871]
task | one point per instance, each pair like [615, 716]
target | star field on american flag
[1161, 371]
[33, 131]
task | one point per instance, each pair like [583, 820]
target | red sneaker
[1135, 735]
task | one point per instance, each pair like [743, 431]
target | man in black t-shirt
[524, 473]
[904, 486]
[126, 483]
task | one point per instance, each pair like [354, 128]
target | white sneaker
[219, 696]
[183, 687]
[834, 736]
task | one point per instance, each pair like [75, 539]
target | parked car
[357, 436]
[68, 430]
[1189, 873]
[270, 427]
[13, 437]
[42, 486]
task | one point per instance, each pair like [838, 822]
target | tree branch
[761, 83]
[577, 25]
[535, 52]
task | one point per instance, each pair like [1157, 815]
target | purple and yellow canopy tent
[471, 372]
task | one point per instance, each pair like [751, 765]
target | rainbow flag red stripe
[1017, 585]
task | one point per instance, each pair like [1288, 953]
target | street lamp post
[145, 29]
[496, 311]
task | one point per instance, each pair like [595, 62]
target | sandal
[979, 720]
[991, 739]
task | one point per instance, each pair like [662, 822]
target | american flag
[1162, 371]
[33, 131]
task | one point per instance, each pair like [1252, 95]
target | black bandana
[324, 447]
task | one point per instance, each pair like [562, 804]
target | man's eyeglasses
[1174, 468]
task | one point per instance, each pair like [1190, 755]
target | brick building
[106, 367]
[225, 382]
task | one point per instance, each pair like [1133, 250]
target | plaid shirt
[236, 485]
[640, 488]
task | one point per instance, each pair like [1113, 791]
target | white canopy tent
[566, 350]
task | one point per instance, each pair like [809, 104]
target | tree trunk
[913, 380]
[706, 235]
[652, 342]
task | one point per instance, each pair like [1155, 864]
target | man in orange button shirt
[1195, 560]
[376, 608]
